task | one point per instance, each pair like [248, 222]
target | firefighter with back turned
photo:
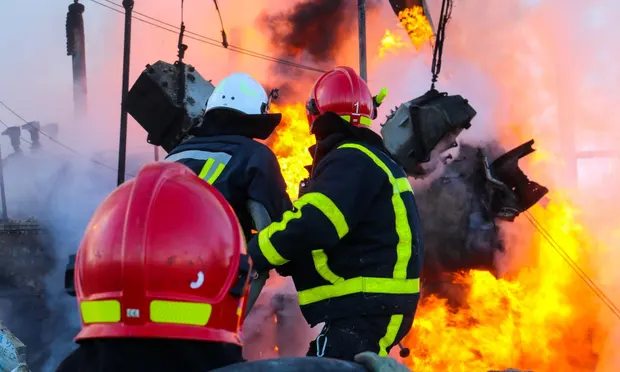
[224, 153]
[353, 242]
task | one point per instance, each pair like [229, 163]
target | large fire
[531, 319]
[391, 43]
[540, 316]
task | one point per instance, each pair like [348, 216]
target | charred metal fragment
[420, 130]
[154, 102]
[14, 134]
[33, 127]
[512, 192]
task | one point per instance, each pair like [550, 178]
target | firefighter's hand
[376, 363]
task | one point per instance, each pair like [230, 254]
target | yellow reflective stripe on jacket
[403, 230]
[207, 167]
[320, 264]
[359, 285]
[317, 200]
[396, 321]
[171, 312]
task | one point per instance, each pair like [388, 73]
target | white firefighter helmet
[239, 92]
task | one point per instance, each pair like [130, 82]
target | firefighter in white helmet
[224, 153]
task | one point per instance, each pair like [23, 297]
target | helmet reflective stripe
[239, 92]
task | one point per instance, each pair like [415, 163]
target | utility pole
[361, 23]
[122, 141]
[5, 214]
[76, 43]
[156, 152]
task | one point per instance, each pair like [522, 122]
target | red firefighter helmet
[343, 92]
[163, 257]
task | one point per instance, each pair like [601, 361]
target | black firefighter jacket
[353, 243]
[241, 169]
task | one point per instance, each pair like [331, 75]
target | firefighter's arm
[266, 185]
[340, 193]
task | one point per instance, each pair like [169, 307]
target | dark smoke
[311, 32]
[310, 29]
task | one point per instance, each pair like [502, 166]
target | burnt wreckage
[459, 210]
[418, 134]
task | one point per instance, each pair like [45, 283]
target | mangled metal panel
[153, 101]
[419, 130]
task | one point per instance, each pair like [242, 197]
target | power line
[582, 274]
[206, 40]
[56, 141]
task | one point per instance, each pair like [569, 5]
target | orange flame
[290, 143]
[417, 25]
[526, 320]
[390, 43]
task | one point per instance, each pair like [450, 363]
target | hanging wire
[224, 38]
[204, 39]
[573, 265]
[444, 17]
[56, 141]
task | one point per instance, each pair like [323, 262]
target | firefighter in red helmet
[161, 279]
[161, 276]
[353, 243]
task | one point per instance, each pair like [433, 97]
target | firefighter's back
[382, 251]
[238, 167]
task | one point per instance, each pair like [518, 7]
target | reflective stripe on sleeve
[315, 199]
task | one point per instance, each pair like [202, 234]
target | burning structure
[545, 319]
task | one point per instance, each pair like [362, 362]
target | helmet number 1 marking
[357, 107]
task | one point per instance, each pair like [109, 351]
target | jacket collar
[331, 131]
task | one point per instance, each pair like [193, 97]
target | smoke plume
[311, 32]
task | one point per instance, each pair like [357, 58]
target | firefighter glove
[375, 363]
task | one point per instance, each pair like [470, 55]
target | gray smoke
[62, 192]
